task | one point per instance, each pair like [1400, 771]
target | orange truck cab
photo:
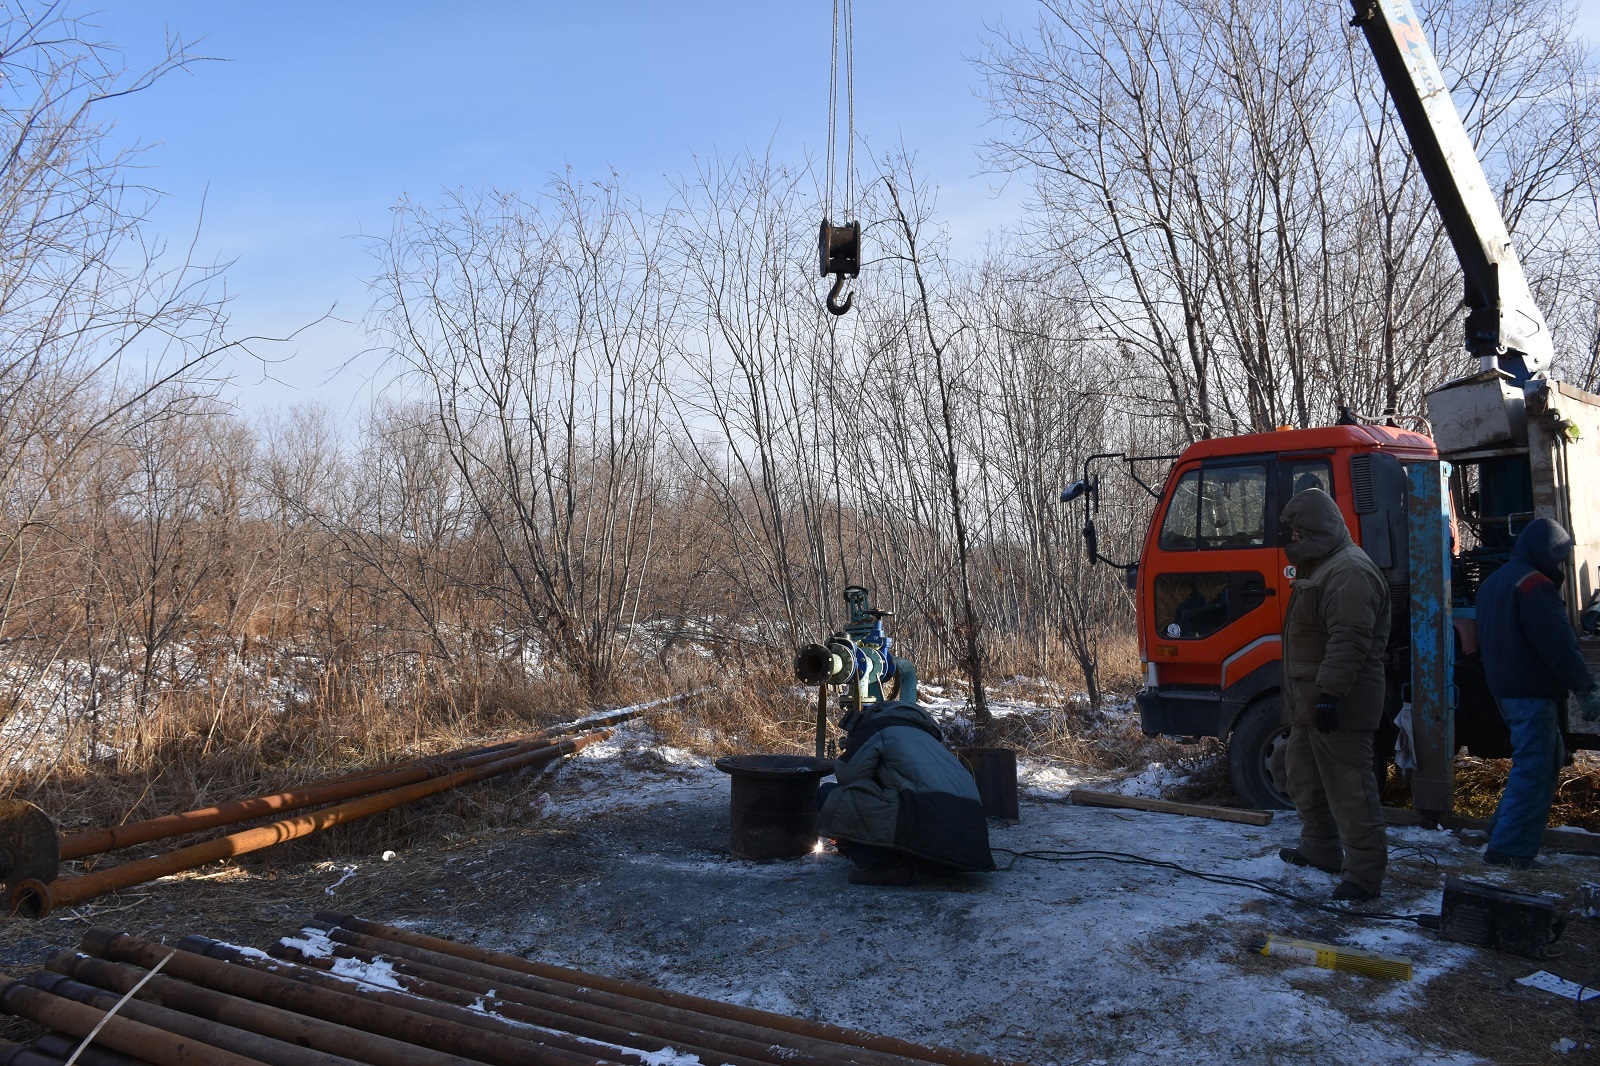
[1213, 581]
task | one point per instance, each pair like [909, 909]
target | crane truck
[1437, 513]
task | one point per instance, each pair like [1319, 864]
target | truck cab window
[1305, 474]
[1217, 507]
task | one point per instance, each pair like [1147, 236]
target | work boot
[1350, 892]
[1515, 862]
[1293, 857]
[891, 872]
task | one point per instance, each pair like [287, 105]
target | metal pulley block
[839, 254]
[839, 249]
[30, 848]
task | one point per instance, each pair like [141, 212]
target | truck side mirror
[1074, 490]
[1091, 540]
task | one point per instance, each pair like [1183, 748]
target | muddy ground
[618, 863]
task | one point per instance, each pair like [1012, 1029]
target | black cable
[1218, 879]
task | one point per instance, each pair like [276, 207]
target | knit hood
[1546, 547]
[1322, 530]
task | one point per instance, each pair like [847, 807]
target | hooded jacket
[1529, 647]
[901, 788]
[1336, 627]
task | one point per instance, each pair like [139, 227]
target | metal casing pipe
[263, 1048]
[723, 1035]
[243, 1013]
[120, 1034]
[700, 1005]
[35, 899]
[365, 1011]
[508, 1041]
[582, 1019]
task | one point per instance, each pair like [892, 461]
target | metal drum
[995, 770]
[774, 805]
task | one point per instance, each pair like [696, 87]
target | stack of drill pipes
[266, 1049]
[246, 1014]
[478, 1011]
[612, 1027]
[347, 928]
[35, 899]
[117, 1033]
[329, 790]
[391, 1015]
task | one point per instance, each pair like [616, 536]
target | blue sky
[324, 114]
[321, 115]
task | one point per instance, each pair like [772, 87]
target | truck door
[1214, 569]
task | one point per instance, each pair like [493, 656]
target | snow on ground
[1043, 962]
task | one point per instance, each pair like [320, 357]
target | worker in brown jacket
[1334, 632]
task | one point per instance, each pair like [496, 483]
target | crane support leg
[1432, 639]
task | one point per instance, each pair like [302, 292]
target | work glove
[1589, 705]
[1327, 713]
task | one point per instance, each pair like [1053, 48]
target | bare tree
[537, 331]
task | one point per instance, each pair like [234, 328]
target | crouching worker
[902, 796]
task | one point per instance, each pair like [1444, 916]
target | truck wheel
[1256, 753]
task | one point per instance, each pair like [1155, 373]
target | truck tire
[1256, 751]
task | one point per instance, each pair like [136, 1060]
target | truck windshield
[1217, 507]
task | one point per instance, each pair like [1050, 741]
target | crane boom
[1504, 325]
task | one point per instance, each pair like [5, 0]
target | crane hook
[835, 308]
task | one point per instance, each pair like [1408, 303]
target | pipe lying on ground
[723, 1036]
[358, 1011]
[35, 899]
[63, 1047]
[23, 1055]
[120, 1034]
[328, 790]
[263, 1048]
[699, 1005]
[492, 1024]
[243, 1013]
[610, 1027]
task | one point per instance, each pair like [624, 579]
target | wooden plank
[1556, 838]
[1085, 798]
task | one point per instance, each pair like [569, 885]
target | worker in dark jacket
[1335, 629]
[903, 795]
[1531, 661]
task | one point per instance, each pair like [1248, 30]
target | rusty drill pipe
[264, 1048]
[129, 834]
[699, 1005]
[35, 899]
[328, 790]
[613, 1028]
[367, 1012]
[62, 1047]
[242, 1013]
[506, 1040]
[120, 1034]
[24, 1055]
[725, 1036]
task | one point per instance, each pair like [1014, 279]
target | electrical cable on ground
[1217, 879]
